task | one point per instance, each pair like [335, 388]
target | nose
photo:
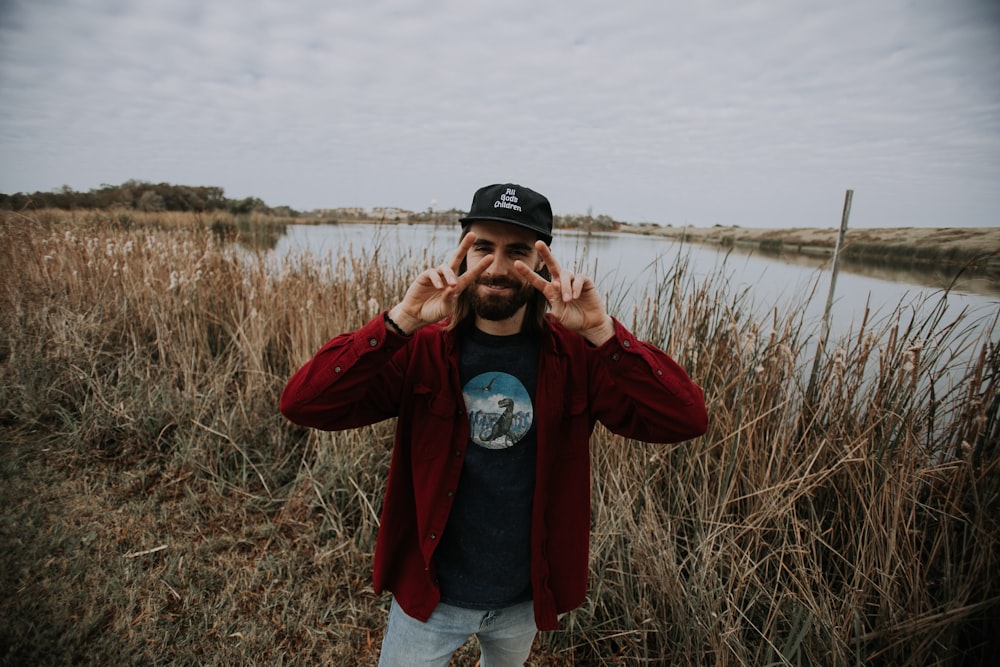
[501, 266]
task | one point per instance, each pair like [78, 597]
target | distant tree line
[593, 223]
[141, 196]
[153, 197]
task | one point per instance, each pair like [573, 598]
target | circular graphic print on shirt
[500, 410]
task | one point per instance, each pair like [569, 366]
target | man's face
[499, 293]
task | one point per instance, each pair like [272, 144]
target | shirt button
[616, 356]
[372, 342]
[451, 493]
[336, 369]
[434, 536]
[458, 452]
[659, 372]
[626, 343]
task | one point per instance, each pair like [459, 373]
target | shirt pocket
[577, 426]
[435, 416]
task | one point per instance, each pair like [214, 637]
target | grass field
[157, 510]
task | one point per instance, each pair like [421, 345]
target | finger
[564, 280]
[462, 251]
[434, 277]
[548, 258]
[568, 289]
[579, 283]
[448, 274]
[531, 277]
[472, 273]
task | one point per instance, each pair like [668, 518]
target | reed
[158, 510]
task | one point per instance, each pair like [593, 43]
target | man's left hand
[573, 297]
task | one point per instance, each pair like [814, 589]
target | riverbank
[978, 248]
[975, 250]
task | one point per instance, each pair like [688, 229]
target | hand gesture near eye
[573, 297]
[431, 297]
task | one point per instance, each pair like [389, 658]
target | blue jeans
[505, 636]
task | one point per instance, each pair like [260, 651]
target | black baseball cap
[514, 204]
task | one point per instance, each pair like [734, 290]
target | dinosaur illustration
[501, 429]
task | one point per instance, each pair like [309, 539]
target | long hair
[534, 312]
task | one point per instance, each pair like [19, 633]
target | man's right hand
[431, 297]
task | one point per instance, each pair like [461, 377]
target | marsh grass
[158, 510]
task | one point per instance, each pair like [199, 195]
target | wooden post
[825, 331]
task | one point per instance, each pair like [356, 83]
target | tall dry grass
[159, 511]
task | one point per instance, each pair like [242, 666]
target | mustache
[500, 282]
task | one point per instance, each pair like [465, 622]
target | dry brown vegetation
[974, 249]
[158, 510]
[985, 239]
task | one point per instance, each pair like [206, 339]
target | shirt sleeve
[639, 391]
[354, 380]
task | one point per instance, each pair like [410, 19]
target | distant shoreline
[975, 249]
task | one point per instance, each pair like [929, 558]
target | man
[497, 366]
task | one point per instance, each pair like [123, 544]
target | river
[626, 266]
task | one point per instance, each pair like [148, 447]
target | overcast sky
[702, 113]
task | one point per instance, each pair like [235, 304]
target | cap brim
[542, 235]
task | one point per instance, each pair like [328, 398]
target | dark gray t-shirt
[484, 559]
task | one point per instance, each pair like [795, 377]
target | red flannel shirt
[369, 375]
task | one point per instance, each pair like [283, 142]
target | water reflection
[966, 280]
[254, 234]
[939, 278]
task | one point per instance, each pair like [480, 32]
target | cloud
[756, 113]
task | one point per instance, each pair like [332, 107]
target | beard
[496, 307]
